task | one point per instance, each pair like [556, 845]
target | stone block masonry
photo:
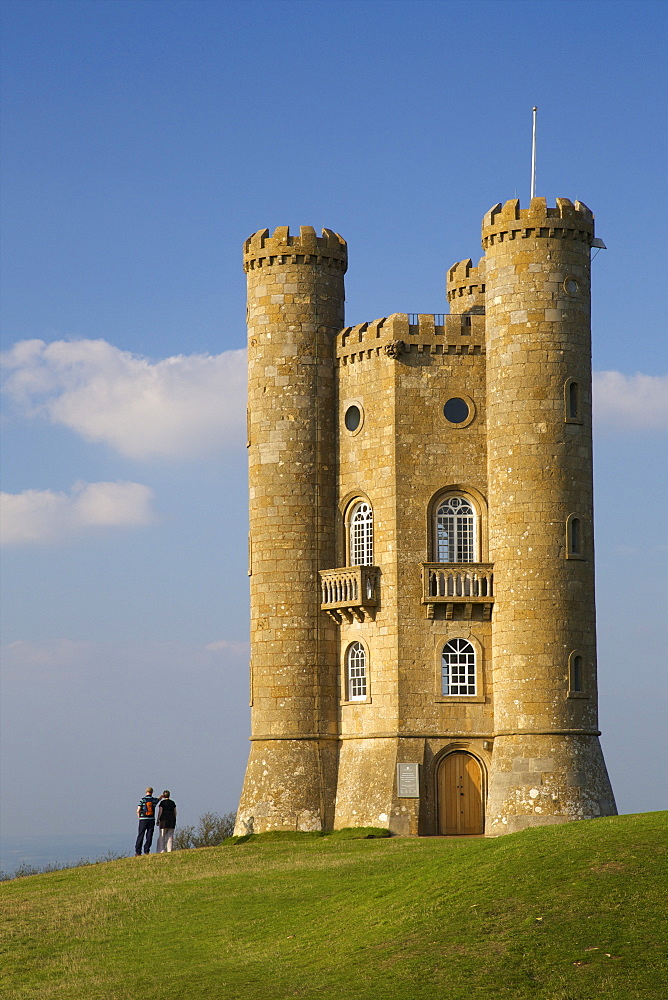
[421, 540]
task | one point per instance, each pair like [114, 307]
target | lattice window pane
[356, 672]
[455, 531]
[361, 535]
[458, 668]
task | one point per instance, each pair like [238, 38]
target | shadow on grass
[286, 836]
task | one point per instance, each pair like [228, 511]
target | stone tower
[548, 764]
[422, 603]
[295, 309]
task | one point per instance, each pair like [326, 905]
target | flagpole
[533, 155]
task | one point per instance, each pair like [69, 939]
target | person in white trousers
[166, 819]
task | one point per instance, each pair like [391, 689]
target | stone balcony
[455, 584]
[349, 593]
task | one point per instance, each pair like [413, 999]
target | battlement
[465, 287]
[262, 250]
[411, 333]
[566, 220]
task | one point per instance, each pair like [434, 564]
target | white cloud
[75, 655]
[48, 657]
[228, 646]
[189, 406]
[183, 406]
[46, 516]
[630, 402]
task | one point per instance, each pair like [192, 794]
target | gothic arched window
[356, 672]
[455, 530]
[458, 668]
[361, 534]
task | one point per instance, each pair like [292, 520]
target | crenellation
[538, 222]
[465, 288]
[262, 250]
[424, 336]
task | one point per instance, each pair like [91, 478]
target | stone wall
[400, 371]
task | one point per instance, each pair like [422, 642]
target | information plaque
[408, 783]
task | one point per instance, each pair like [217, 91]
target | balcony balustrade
[350, 592]
[458, 583]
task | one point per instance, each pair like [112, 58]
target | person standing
[146, 814]
[166, 822]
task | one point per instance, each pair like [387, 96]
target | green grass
[573, 912]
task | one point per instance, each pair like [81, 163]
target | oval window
[352, 418]
[456, 410]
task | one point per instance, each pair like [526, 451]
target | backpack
[147, 809]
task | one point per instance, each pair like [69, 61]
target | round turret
[465, 288]
[295, 308]
[537, 275]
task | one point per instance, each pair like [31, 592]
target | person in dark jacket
[146, 814]
[166, 822]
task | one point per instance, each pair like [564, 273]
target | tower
[548, 764]
[295, 307]
[422, 605]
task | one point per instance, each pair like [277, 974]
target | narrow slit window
[573, 400]
[577, 676]
[575, 537]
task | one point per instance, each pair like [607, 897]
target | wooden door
[460, 812]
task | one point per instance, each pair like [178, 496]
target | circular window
[456, 410]
[571, 286]
[353, 418]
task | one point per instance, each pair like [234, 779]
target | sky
[142, 143]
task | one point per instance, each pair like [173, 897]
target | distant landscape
[41, 849]
[571, 912]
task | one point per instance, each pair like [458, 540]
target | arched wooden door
[459, 786]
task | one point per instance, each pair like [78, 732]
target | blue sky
[142, 143]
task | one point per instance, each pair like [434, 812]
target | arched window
[458, 668]
[356, 672]
[455, 530]
[572, 402]
[574, 539]
[361, 534]
[576, 536]
[577, 676]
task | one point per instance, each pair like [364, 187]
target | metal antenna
[533, 155]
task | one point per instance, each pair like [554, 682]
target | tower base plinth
[540, 780]
[289, 785]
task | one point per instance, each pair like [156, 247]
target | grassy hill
[574, 912]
